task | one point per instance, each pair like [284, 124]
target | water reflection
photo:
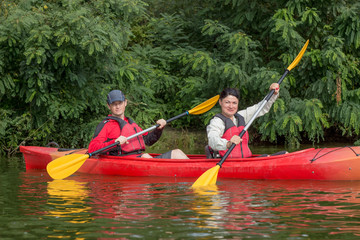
[296, 205]
[120, 200]
[67, 199]
[93, 206]
[285, 207]
[209, 206]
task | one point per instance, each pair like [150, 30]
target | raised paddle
[63, 167]
[210, 176]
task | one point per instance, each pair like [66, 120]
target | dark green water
[33, 206]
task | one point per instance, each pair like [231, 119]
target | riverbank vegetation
[59, 59]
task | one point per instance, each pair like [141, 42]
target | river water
[34, 206]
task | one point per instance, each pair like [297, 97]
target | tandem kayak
[342, 163]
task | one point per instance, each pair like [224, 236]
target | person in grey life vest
[225, 127]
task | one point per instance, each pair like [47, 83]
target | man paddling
[116, 127]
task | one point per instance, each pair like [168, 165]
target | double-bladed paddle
[63, 167]
[210, 176]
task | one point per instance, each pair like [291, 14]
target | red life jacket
[241, 150]
[135, 145]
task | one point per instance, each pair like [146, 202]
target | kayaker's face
[229, 106]
[117, 108]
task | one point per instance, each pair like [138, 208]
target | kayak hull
[318, 164]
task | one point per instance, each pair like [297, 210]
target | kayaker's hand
[276, 88]
[234, 139]
[162, 123]
[122, 140]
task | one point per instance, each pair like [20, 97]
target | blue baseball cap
[115, 95]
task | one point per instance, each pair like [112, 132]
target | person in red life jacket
[225, 127]
[116, 128]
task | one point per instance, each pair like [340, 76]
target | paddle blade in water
[207, 178]
[299, 56]
[64, 166]
[205, 106]
[210, 190]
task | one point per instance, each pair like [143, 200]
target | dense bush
[58, 60]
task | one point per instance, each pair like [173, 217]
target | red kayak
[341, 163]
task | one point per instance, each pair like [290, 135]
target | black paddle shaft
[266, 99]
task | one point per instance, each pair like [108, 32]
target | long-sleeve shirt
[111, 131]
[216, 127]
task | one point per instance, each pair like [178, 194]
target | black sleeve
[152, 137]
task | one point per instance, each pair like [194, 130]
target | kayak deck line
[336, 149]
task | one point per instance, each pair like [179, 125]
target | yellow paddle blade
[64, 166]
[298, 57]
[207, 178]
[210, 190]
[205, 106]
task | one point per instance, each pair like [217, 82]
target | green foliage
[348, 114]
[290, 126]
[347, 25]
[269, 126]
[59, 59]
[315, 121]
